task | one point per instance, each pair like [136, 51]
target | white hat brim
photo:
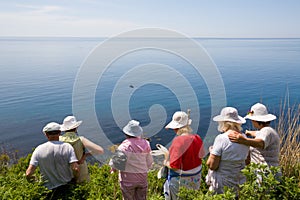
[75, 125]
[220, 118]
[176, 125]
[133, 134]
[261, 118]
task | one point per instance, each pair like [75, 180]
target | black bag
[163, 172]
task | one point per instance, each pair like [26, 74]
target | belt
[172, 174]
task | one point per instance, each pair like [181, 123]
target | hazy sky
[195, 18]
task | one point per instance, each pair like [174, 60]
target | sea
[105, 83]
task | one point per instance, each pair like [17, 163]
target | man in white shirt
[56, 160]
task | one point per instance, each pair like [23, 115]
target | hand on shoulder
[250, 133]
[235, 136]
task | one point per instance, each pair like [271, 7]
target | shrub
[104, 185]
[270, 186]
[288, 129]
[14, 185]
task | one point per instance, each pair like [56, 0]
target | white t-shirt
[229, 150]
[270, 154]
[233, 156]
[54, 158]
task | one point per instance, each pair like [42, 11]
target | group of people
[62, 158]
[231, 150]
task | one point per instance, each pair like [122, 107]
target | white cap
[52, 126]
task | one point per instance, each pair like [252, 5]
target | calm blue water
[37, 77]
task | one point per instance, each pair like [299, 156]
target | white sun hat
[179, 120]
[260, 113]
[133, 129]
[229, 114]
[52, 126]
[70, 123]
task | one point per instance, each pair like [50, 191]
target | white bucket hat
[52, 126]
[70, 123]
[260, 113]
[133, 129]
[229, 114]
[179, 120]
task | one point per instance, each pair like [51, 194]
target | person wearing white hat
[134, 177]
[226, 159]
[185, 157]
[56, 170]
[80, 145]
[265, 146]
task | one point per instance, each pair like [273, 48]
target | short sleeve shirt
[53, 159]
[184, 152]
[270, 153]
[228, 150]
[139, 160]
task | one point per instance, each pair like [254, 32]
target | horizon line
[106, 37]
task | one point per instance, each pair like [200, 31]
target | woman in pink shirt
[134, 178]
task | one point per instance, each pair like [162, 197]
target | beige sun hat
[229, 114]
[70, 123]
[179, 120]
[133, 129]
[260, 113]
[52, 126]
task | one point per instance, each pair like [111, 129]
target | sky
[195, 18]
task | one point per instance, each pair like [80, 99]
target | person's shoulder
[221, 136]
[68, 145]
[197, 136]
[44, 144]
[126, 141]
[146, 142]
[41, 146]
[181, 140]
[124, 144]
[267, 130]
[178, 138]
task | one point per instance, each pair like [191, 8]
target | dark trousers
[61, 192]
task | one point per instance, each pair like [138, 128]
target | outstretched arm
[251, 133]
[239, 138]
[94, 148]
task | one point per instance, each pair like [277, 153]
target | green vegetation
[104, 185]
